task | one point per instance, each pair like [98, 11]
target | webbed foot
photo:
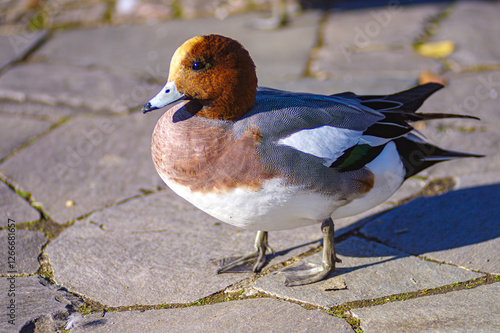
[309, 273]
[259, 256]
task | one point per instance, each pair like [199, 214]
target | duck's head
[214, 72]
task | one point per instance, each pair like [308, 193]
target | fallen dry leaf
[438, 50]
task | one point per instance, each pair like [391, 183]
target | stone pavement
[101, 245]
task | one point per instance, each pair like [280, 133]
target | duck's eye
[198, 65]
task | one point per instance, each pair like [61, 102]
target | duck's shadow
[424, 225]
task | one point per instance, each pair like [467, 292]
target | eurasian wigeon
[266, 159]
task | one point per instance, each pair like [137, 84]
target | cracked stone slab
[157, 249]
[253, 315]
[146, 50]
[92, 161]
[27, 248]
[474, 40]
[12, 206]
[374, 43]
[368, 270]
[17, 131]
[15, 47]
[459, 227]
[471, 310]
[35, 299]
[76, 87]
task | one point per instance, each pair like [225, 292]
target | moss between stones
[431, 26]
[341, 311]
[434, 187]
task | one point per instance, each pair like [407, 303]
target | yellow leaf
[437, 50]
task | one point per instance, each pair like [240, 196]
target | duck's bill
[168, 95]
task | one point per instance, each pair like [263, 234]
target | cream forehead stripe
[180, 54]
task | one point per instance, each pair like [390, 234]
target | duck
[265, 159]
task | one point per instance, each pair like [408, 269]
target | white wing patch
[326, 142]
[373, 140]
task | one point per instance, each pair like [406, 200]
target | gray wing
[304, 133]
[280, 113]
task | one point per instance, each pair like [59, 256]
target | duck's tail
[418, 155]
[399, 110]
[405, 103]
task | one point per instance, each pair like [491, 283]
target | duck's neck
[229, 107]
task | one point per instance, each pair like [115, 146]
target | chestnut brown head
[215, 71]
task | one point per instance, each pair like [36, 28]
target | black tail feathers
[418, 155]
[399, 109]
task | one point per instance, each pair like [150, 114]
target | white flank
[274, 207]
[389, 175]
[325, 142]
[280, 207]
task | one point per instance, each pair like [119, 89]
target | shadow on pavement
[430, 224]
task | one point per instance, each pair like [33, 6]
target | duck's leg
[300, 275]
[259, 255]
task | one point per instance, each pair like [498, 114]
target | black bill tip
[147, 108]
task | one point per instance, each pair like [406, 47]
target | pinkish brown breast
[205, 157]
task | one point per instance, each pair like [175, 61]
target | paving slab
[393, 25]
[474, 41]
[76, 87]
[12, 206]
[146, 50]
[253, 315]
[479, 179]
[358, 85]
[55, 113]
[17, 131]
[92, 161]
[27, 246]
[157, 249]
[471, 310]
[472, 93]
[35, 300]
[368, 270]
[459, 227]
[475, 94]
[11, 10]
[374, 43]
[136, 12]
[410, 188]
[15, 47]
[65, 13]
